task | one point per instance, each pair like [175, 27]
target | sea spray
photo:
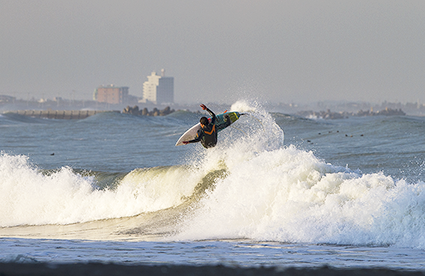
[289, 195]
[286, 194]
[31, 197]
[260, 125]
[254, 132]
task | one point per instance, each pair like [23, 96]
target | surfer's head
[203, 121]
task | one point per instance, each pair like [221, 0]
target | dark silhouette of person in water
[207, 134]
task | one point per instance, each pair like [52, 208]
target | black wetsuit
[208, 134]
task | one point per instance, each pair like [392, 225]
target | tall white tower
[158, 89]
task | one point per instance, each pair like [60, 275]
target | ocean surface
[278, 190]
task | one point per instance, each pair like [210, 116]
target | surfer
[207, 134]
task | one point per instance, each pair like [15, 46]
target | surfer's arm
[197, 139]
[213, 117]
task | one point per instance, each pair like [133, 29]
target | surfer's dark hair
[204, 121]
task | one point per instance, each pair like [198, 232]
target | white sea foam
[286, 194]
[289, 195]
[29, 197]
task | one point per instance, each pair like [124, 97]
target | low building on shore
[112, 94]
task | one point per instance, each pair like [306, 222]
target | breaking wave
[250, 186]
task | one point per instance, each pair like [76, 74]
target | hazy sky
[221, 50]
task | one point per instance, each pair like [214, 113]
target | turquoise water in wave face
[318, 191]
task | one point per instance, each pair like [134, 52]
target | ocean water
[277, 190]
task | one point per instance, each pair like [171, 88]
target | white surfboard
[189, 135]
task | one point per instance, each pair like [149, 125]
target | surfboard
[191, 133]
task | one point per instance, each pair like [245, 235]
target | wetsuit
[208, 135]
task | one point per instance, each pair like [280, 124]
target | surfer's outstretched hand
[185, 142]
[203, 107]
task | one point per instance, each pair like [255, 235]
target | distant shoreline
[344, 108]
[82, 114]
[344, 114]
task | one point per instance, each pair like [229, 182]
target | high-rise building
[111, 94]
[158, 89]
